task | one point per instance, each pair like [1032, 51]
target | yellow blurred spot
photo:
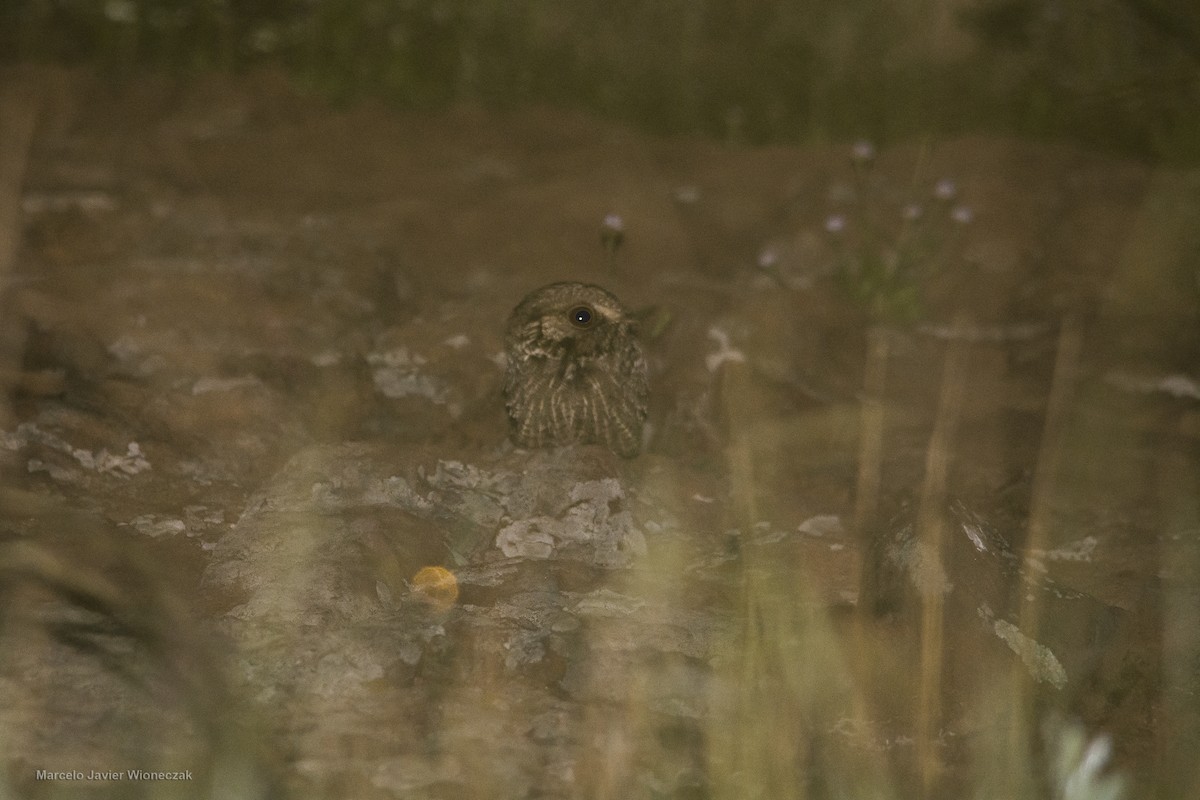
[438, 584]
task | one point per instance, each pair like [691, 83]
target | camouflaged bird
[576, 373]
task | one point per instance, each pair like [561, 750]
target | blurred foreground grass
[1120, 74]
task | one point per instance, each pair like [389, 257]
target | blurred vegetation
[887, 252]
[1123, 74]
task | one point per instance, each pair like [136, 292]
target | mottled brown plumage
[576, 373]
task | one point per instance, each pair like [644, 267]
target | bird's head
[577, 316]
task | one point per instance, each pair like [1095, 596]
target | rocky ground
[261, 519]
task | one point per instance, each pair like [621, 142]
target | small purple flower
[835, 223]
[962, 215]
[687, 194]
[768, 258]
[612, 234]
[862, 151]
[945, 189]
[912, 212]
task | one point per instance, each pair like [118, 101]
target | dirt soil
[251, 348]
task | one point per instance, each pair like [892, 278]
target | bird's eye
[581, 316]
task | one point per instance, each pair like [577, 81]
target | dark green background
[1117, 74]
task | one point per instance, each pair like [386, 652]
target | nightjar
[576, 373]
